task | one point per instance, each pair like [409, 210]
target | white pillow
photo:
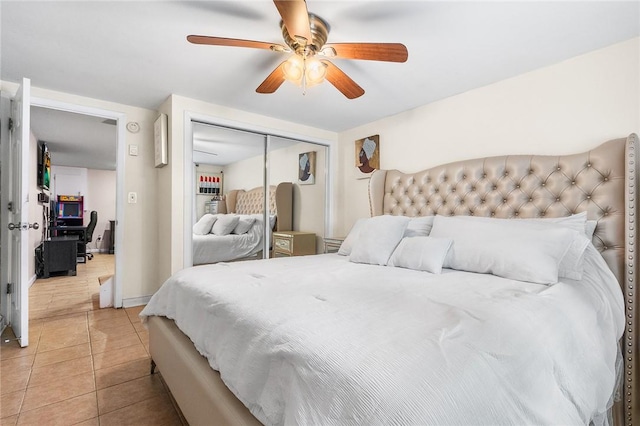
[419, 226]
[421, 253]
[244, 224]
[203, 226]
[351, 238]
[509, 250]
[378, 238]
[572, 265]
[577, 221]
[225, 224]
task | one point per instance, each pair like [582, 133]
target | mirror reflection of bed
[236, 230]
[231, 170]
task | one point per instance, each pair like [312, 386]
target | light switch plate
[133, 150]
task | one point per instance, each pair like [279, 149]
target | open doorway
[79, 202]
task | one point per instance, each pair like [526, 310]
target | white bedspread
[318, 340]
[211, 248]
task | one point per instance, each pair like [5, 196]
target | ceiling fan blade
[389, 52]
[235, 42]
[273, 80]
[342, 82]
[295, 17]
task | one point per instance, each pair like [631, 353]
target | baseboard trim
[32, 280]
[135, 301]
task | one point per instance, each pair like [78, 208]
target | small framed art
[368, 154]
[307, 168]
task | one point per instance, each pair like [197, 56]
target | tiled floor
[84, 365]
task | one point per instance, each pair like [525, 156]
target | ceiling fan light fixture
[293, 69]
[315, 72]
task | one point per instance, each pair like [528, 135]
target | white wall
[101, 197]
[244, 174]
[565, 108]
[67, 180]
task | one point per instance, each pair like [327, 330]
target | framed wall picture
[307, 168]
[160, 140]
[368, 154]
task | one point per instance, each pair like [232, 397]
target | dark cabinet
[57, 254]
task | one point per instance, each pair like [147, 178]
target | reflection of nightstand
[332, 244]
[293, 243]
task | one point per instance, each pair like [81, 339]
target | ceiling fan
[305, 36]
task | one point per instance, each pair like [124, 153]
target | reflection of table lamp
[305, 166]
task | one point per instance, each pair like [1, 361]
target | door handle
[23, 226]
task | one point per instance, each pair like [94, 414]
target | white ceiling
[136, 53]
[221, 146]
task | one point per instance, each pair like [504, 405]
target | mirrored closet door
[235, 216]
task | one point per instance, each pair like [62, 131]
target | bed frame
[600, 182]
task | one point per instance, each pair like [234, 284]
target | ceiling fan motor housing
[319, 33]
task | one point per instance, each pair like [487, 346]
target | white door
[5, 144]
[18, 227]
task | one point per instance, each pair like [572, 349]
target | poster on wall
[368, 155]
[307, 168]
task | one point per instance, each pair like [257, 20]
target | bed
[240, 208]
[343, 353]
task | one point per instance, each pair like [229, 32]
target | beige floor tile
[107, 313]
[133, 313]
[13, 380]
[54, 372]
[108, 323]
[63, 354]
[150, 412]
[13, 350]
[115, 342]
[61, 321]
[70, 336]
[103, 333]
[127, 393]
[122, 373]
[60, 390]
[119, 356]
[62, 340]
[10, 403]
[9, 421]
[139, 326]
[91, 422]
[18, 363]
[67, 412]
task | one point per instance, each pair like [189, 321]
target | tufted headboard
[252, 202]
[600, 182]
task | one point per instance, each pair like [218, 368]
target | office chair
[88, 235]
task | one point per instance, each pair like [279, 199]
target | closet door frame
[189, 167]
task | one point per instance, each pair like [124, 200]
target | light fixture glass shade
[315, 72]
[293, 69]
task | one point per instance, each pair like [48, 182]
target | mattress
[321, 340]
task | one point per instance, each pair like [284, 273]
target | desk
[79, 231]
[57, 254]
